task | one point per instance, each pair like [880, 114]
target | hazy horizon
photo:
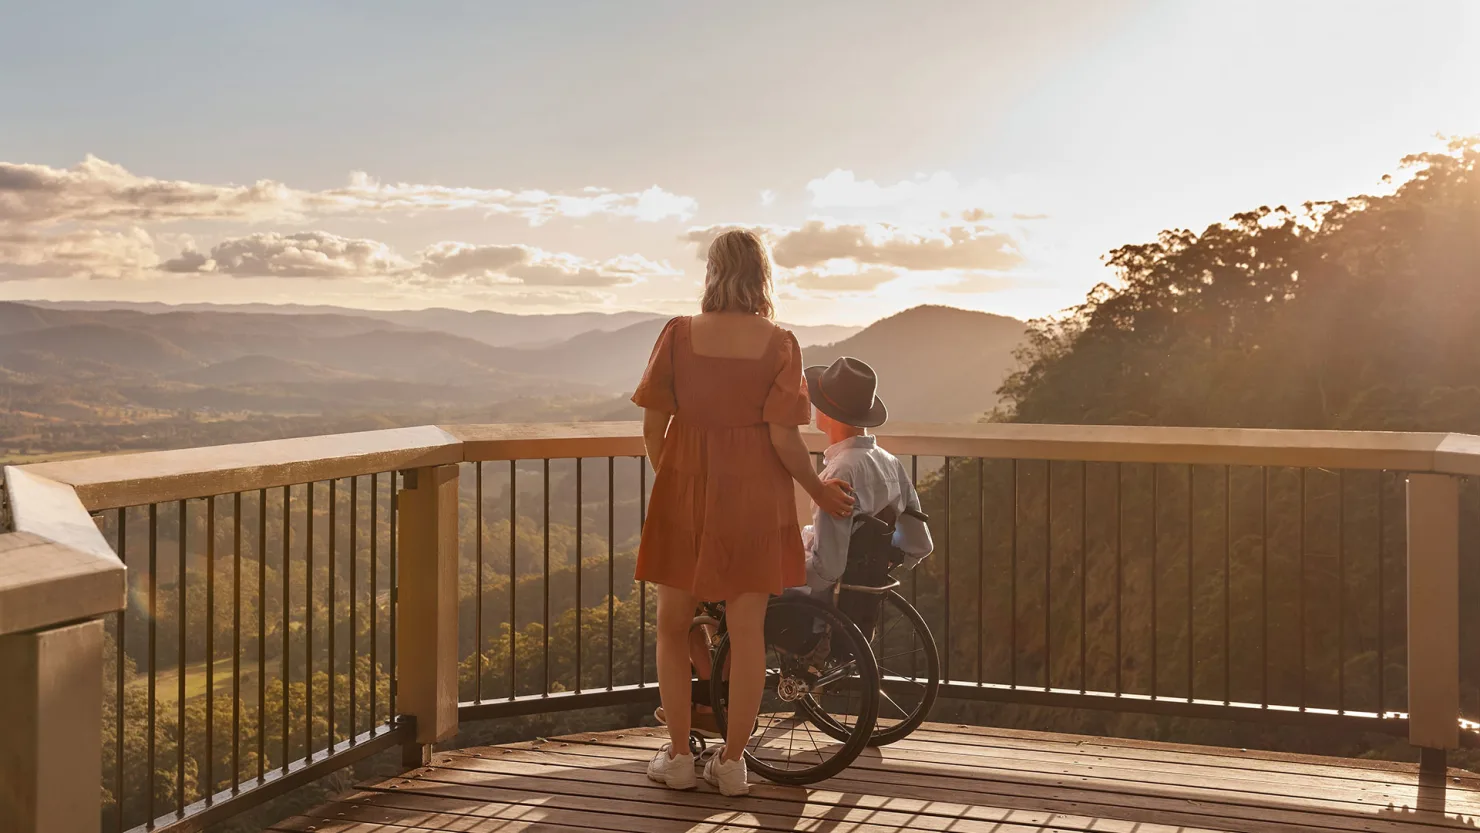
[535, 159]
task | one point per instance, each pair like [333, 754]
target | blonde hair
[738, 277]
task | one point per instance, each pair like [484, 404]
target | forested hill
[1361, 313]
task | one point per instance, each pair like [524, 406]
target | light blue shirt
[879, 480]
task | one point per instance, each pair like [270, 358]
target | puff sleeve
[787, 402]
[655, 391]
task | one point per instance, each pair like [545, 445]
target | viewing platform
[208, 635]
[944, 778]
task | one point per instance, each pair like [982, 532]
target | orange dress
[722, 518]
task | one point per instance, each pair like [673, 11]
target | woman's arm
[654, 432]
[832, 496]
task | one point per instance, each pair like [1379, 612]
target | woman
[723, 398]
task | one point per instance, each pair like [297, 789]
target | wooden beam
[426, 604]
[126, 480]
[55, 566]
[1363, 450]
[160, 476]
[1433, 611]
[51, 766]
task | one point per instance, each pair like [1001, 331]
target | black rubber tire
[885, 735]
[856, 741]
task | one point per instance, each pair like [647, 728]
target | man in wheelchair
[848, 559]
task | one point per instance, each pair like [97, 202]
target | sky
[572, 156]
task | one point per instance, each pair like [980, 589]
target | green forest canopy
[1349, 314]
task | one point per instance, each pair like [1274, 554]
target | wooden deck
[943, 778]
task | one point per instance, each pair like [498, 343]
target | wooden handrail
[158, 476]
[127, 480]
[55, 566]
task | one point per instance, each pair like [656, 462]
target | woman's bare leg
[675, 617]
[745, 619]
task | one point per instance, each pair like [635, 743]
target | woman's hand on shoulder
[835, 498]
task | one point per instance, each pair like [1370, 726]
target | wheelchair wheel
[909, 667]
[811, 651]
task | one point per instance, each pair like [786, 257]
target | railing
[280, 691]
[297, 606]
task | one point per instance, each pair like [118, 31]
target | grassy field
[167, 688]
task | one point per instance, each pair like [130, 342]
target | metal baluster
[236, 643]
[287, 601]
[1012, 580]
[478, 607]
[1190, 620]
[308, 611]
[207, 783]
[1119, 582]
[1341, 591]
[1300, 584]
[946, 575]
[122, 662]
[354, 613]
[1155, 541]
[513, 577]
[1047, 575]
[545, 582]
[981, 568]
[374, 599]
[1381, 603]
[395, 592]
[180, 594]
[1227, 587]
[1083, 577]
[642, 585]
[153, 648]
[914, 574]
[611, 571]
[1264, 589]
[261, 634]
[580, 566]
[332, 623]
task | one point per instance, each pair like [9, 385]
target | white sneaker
[676, 772]
[727, 776]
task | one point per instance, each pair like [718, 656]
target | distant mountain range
[74, 367]
[935, 364]
[497, 329]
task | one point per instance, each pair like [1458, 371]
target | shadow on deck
[943, 778]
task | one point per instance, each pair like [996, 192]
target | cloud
[310, 254]
[767, 197]
[464, 260]
[530, 266]
[88, 253]
[916, 247]
[925, 197]
[317, 255]
[98, 191]
[964, 246]
[939, 191]
[855, 280]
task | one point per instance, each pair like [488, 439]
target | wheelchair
[844, 674]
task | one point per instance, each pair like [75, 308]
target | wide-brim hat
[847, 391]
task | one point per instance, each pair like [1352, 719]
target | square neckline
[688, 320]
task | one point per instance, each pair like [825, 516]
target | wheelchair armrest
[864, 589]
